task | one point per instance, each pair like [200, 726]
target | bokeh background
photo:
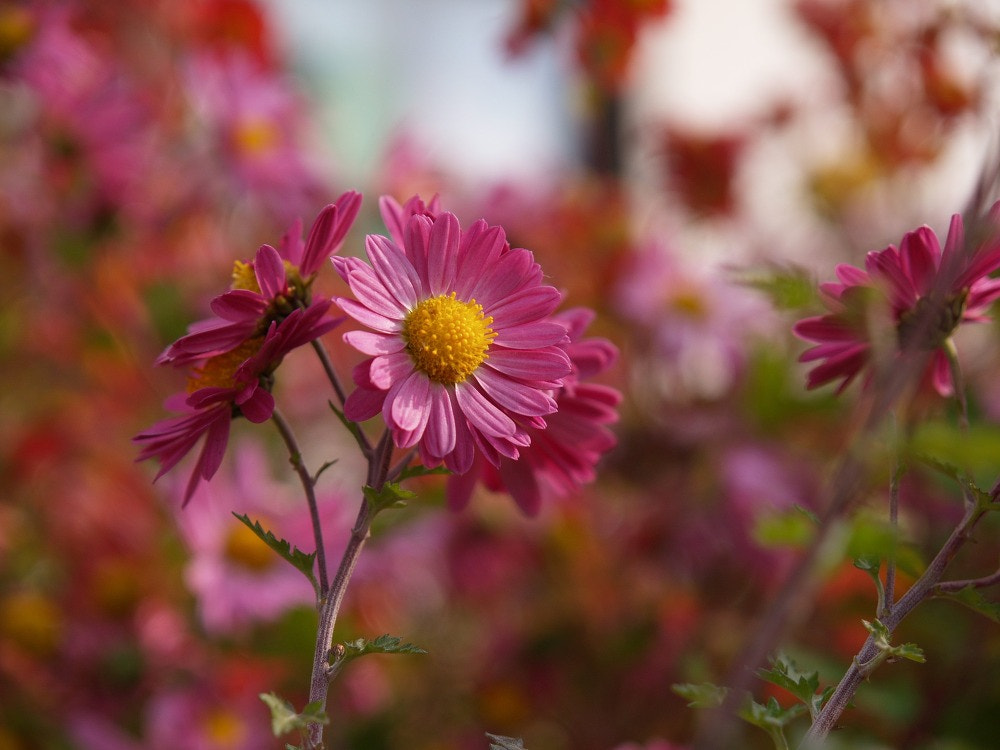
[687, 168]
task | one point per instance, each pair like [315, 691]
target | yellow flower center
[245, 549]
[256, 136]
[447, 338]
[224, 729]
[244, 277]
[220, 370]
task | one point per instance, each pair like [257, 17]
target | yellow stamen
[220, 370]
[447, 338]
[256, 136]
[244, 277]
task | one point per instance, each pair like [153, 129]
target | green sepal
[301, 561]
[390, 496]
[702, 695]
[499, 742]
[973, 598]
[285, 719]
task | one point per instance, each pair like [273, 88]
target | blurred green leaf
[285, 719]
[702, 695]
[957, 453]
[793, 527]
[785, 674]
[300, 560]
[788, 287]
[771, 715]
[973, 599]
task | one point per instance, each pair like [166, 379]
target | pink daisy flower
[269, 287]
[562, 457]
[234, 383]
[462, 350]
[902, 280]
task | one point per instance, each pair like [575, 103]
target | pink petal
[328, 232]
[393, 269]
[483, 414]
[543, 364]
[524, 306]
[409, 408]
[440, 435]
[367, 316]
[389, 369]
[374, 344]
[532, 335]
[442, 253]
[512, 395]
[270, 271]
[481, 247]
[363, 404]
[239, 305]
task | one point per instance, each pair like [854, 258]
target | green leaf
[390, 496]
[788, 288]
[384, 644]
[794, 527]
[785, 674]
[285, 719]
[499, 742]
[771, 716]
[419, 470]
[703, 695]
[883, 642]
[973, 598]
[957, 453]
[301, 561]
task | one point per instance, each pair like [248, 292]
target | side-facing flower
[462, 349]
[899, 284]
[228, 385]
[268, 288]
[562, 457]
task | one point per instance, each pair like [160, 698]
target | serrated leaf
[785, 674]
[499, 742]
[973, 599]
[301, 561]
[771, 716]
[703, 695]
[285, 719]
[390, 496]
[910, 651]
[384, 644]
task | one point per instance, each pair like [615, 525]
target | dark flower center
[927, 326]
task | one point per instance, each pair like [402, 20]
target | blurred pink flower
[461, 345]
[562, 456]
[268, 288]
[254, 120]
[234, 383]
[693, 328]
[236, 579]
[901, 282]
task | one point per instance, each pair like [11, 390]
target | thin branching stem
[309, 487]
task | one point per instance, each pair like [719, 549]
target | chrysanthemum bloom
[462, 348]
[228, 385]
[268, 288]
[562, 457]
[901, 281]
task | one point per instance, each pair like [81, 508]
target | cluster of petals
[428, 256]
[562, 457]
[241, 314]
[207, 412]
[903, 280]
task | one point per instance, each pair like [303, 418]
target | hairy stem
[867, 657]
[329, 606]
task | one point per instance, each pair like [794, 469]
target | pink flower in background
[268, 288]
[695, 327]
[897, 283]
[234, 383]
[253, 119]
[561, 457]
[462, 351]
[235, 577]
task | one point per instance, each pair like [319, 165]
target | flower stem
[329, 606]
[867, 658]
[309, 487]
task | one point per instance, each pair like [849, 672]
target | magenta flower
[462, 350]
[234, 383]
[268, 288]
[561, 457]
[901, 280]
